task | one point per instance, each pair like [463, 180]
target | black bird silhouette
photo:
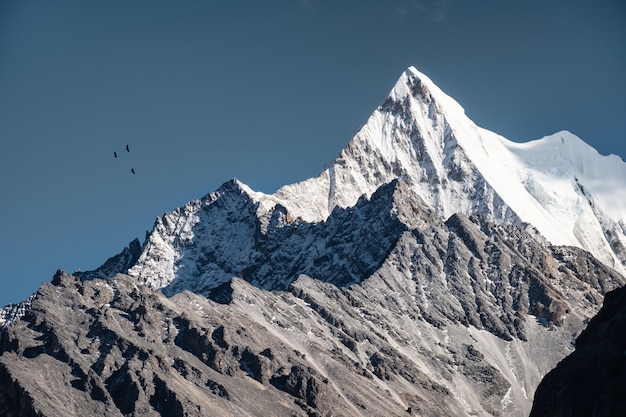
[127, 150]
[114, 154]
[132, 170]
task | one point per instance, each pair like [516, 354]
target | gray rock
[420, 317]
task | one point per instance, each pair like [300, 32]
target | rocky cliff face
[421, 317]
[592, 380]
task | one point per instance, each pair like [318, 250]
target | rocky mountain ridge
[457, 318]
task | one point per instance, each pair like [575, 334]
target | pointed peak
[231, 183]
[412, 73]
[417, 85]
[235, 185]
[408, 205]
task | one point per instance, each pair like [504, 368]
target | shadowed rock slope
[592, 380]
[418, 317]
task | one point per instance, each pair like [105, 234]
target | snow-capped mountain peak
[558, 184]
[416, 123]
[417, 85]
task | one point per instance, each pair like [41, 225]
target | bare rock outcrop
[592, 380]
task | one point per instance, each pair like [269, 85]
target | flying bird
[127, 150]
[132, 170]
[114, 154]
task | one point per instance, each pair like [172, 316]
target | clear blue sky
[267, 92]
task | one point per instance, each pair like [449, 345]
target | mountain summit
[433, 268]
[558, 184]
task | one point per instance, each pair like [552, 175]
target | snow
[566, 155]
[577, 193]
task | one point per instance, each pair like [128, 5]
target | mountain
[561, 186]
[433, 268]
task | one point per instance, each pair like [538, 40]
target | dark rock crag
[592, 380]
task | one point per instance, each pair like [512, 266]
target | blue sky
[267, 92]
